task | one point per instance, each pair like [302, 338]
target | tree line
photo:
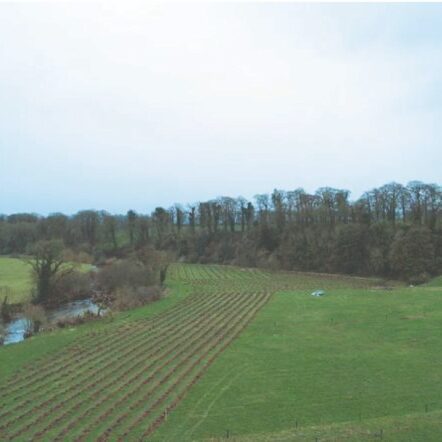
[391, 231]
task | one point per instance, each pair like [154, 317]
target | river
[16, 328]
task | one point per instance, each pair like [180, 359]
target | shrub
[5, 310]
[421, 278]
[35, 318]
[81, 255]
[124, 273]
[2, 335]
[74, 285]
[127, 298]
[66, 321]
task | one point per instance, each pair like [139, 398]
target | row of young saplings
[173, 388]
[163, 416]
[213, 275]
[205, 278]
[89, 348]
[79, 374]
[135, 376]
[197, 273]
[86, 359]
[122, 387]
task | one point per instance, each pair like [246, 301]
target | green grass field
[351, 356]
[15, 279]
[238, 353]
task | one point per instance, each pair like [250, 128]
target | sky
[111, 106]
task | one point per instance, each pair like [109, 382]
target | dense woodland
[392, 231]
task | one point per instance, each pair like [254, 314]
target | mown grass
[345, 365]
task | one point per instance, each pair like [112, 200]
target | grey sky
[117, 107]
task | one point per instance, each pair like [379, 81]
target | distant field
[207, 278]
[238, 353]
[15, 279]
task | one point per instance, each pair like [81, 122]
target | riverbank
[17, 328]
[16, 281]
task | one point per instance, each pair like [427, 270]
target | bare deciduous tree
[47, 265]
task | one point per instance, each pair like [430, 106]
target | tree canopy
[393, 230]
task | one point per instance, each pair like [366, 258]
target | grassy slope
[342, 365]
[15, 279]
[435, 282]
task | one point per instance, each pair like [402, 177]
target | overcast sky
[119, 107]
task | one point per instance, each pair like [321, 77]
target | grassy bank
[350, 363]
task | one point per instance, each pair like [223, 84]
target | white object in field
[318, 293]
